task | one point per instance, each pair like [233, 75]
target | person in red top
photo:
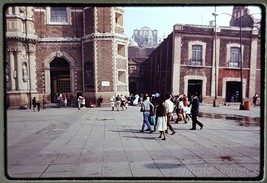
[185, 100]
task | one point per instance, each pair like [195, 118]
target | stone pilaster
[253, 67]
[215, 68]
[32, 71]
[12, 71]
[176, 61]
[18, 58]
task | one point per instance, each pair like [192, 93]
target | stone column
[32, 71]
[9, 10]
[47, 80]
[18, 59]
[12, 71]
[29, 10]
[16, 10]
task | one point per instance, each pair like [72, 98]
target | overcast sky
[163, 18]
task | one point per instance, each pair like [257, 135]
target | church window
[58, 14]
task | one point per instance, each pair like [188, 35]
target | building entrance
[195, 86]
[233, 91]
[60, 78]
[133, 88]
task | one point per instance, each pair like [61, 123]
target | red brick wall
[89, 19]
[104, 19]
[105, 65]
[49, 30]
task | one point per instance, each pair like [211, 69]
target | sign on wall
[105, 83]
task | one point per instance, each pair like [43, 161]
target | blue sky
[163, 18]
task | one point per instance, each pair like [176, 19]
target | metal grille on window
[63, 86]
[196, 55]
[234, 57]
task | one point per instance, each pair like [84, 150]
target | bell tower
[105, 57]
[20, 54]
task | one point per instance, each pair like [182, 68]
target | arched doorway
[133, 87]
[59, 78]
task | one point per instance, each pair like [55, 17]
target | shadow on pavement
[163, 165]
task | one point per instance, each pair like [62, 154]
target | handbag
[180, 117]
[152, 112]
[152, 120]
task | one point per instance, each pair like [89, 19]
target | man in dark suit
[195, 111]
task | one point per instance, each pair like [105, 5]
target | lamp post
[241, 66]
[215, 57]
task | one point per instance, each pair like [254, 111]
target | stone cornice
[58, 39]
[19, 35]
[105, 36]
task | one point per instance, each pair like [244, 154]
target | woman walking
[161, 119]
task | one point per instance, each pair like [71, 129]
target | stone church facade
[69, 50]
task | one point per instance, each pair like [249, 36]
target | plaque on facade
[105, 83]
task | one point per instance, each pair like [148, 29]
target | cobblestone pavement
[92, 143]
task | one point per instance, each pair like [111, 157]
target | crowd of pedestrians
[118, 102]
[164, 107]
[158, 110]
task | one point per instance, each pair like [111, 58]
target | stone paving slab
[67, 143]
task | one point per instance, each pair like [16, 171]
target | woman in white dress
[161, 119]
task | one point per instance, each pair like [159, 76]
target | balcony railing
[232, 64]
[197, 62]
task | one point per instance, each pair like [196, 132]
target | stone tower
[105, 56]
[241, 16]
[20, 54]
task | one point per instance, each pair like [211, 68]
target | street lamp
[215, 58]
[240, 55]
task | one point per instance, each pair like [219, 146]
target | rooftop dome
[133, 43]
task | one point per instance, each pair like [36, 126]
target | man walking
[194, 112]
[169, 109]
[147, 107]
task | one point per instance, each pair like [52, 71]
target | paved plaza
[96, 143]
